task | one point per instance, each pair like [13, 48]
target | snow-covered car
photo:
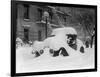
[71, 36]
[55, 44]
[61, 42]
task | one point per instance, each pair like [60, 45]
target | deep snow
[25, 61]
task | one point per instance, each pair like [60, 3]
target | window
[64, 18]
[26, 11]
[40, 14]
[51, 15]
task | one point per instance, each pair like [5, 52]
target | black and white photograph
[54, 37]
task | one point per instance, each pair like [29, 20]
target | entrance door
[26, 35]
[39, 35]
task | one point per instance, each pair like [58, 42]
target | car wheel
[56, 53]
[41, 51]
[63, 52]
[51, 52]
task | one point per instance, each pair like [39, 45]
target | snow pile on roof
[64, 30]
[18, 39]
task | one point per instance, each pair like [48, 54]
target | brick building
[31, 22]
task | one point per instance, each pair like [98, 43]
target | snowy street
[25, 61]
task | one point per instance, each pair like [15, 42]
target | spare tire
[54, 53]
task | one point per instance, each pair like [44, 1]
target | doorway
[26, 35]
[39, 35]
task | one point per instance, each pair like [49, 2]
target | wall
[34, 27]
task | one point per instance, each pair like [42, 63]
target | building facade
[35, 22]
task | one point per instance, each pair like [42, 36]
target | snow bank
[25, 61]
[18, 39]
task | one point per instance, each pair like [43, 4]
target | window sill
[26, 19]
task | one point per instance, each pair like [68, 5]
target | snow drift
[25, 61]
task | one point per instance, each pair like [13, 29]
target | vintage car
[71, 36]
[61, 41]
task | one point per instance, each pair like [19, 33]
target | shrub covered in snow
[30, 43]
[19, 42]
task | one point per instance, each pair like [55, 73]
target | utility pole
[46, 18]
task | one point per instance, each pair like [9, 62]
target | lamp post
[46, 18]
